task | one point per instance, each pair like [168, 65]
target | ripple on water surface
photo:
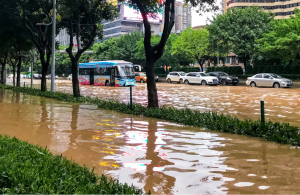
[154, 155]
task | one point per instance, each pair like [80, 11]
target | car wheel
[276, 85]
[234, 84]
[252, 84]
[223, 82]
[107, 83]
[181, 81]
[169, 81]
[203, 82]
[141, 81]
[186, 82]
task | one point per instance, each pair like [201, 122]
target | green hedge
[161, 71]
[30, 169]
[294, 77]
[281, 133]
[277, 69]
[235, 70]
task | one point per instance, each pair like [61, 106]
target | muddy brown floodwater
[164, 157]
[281, 105]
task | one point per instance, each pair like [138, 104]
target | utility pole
[53, 46]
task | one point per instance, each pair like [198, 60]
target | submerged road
[164, 157]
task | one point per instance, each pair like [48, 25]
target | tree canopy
[284, 40]
[237, 30]
[192, 43]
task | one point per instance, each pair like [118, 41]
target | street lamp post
[53, 46]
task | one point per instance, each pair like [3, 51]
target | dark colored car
[224, 78]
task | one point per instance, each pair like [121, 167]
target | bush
[30, 169]
[281, 133]
[277, 69]
[233, 70]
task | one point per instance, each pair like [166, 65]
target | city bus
[107, 73]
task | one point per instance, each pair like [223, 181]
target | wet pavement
[281, 105]
[164, 157]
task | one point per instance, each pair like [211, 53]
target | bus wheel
[107, 83]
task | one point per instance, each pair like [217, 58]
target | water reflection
[164, 157]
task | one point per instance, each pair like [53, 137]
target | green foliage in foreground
[30, 169]
[281, 133]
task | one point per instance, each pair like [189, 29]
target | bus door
[92, 74]
[113, 74]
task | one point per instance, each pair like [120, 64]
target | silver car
[200, 78]
[175, 77]
[268, 80]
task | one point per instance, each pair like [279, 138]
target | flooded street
[281, 105]
[164, 157]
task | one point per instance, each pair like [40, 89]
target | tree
[283, 41]
[193, 43]
[237, 30]
[82, 19]
[39, 11]
[122, 48]
[155, 52]
[167, 58]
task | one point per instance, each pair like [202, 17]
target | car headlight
[228, 78]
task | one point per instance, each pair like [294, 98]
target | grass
[277, 132]
[30, 169]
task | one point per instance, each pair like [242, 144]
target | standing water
[151, 154]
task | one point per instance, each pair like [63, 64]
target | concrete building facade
[281, 8]
[128, 21]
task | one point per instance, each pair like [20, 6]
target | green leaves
[281, 133]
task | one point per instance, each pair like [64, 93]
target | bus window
[101, 71]
[85, 71]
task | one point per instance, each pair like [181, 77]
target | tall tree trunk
[76, 90]
[19, 71]
[151, 85]
[201, 64]
[3, 74]
[14, 75]
[245, 62]
[43, 79]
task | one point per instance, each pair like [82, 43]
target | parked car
[156, 78]
[200, 78]
[224, 78]
[70, 77]
[175, 77]
[268, 80]
[49, 76]
[140, 77]
[36, 76]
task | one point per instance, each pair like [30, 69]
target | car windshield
[275, 76]
[142, 74]
[223, 74]
[181, 73]
[203, 74]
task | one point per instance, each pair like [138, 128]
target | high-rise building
[183, 17]
[281, 8]
[129, 20]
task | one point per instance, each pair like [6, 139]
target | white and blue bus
[107, 73]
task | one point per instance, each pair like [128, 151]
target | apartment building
[129, 20]
[281, 8]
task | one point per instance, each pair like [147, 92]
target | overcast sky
[202, 19]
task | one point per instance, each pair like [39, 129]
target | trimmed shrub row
[277, 132]
[233, 70]
[278, 69]
[161, 71]
[30, 169]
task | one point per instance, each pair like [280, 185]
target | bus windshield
[126, 71]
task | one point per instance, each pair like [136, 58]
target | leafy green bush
[30, 169]
[161, 71]
[277, 69]
[281, 133]
[293, 77]
[234, 70]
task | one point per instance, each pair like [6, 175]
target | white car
[200, 78]
[175, 77]
[70, 77]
